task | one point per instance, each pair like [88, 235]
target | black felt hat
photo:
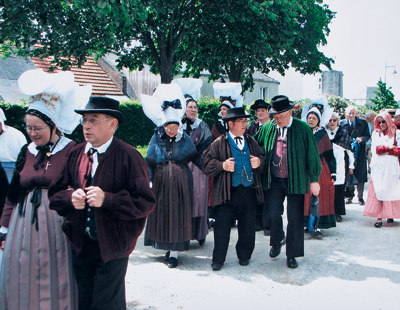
[280, 104]
[259, 103]
[235, 113]
[103, 105]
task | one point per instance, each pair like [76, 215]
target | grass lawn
[142, 150]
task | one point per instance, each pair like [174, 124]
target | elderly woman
[37, 270]
[383, 187]
[327, 176]
[201, 136]
[341, 143]
[169, 226]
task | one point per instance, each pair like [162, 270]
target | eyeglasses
[333, 120]
[92, 121]
[242, 121]
[281, 117]
[34, 129]
[382, 121]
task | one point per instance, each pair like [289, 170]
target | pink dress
[384, 185]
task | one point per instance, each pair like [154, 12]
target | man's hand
[78, 199]
[350, 171]
[254, 162]
[229, 164]
[359, 140]
[314, 188]
[95, 196]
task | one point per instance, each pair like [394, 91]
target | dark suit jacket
[122, 175]
[361, 130]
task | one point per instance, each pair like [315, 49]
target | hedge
[138, 129]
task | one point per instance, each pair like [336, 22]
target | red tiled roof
[90, 73]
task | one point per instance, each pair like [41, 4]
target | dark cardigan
[122, 175]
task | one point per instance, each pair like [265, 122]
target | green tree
[384, 98]
[140, 32]
[260, 34]
[265, 36]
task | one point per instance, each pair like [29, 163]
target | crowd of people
[71, 214]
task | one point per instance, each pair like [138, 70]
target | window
[264, 92]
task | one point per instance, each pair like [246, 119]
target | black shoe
[267, 232]
[216, 266]
[339, 218]
[275, 251]
[259, 228]
[291, 262]
[166, 257]
[202, 241]
[361, 202]
[212, 223]
[172, 262]
[349, 201]
[316, 234]
[390, 220]
[243, 262]
[378, 224]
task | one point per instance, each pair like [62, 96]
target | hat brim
[255, 107]
[271, 110]
[118, 115]
[235, 117]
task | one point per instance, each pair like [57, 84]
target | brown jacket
[213, 160]
[122, 175]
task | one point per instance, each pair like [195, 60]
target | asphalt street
[354, 266]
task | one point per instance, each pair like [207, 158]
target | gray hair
[335, 115]
[349, 108]
[370, 113]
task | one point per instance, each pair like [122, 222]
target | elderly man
[11, 141]
[104, 193]
[235, 161]
[292, 169]
[358, 129]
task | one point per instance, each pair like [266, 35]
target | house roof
[90, 73]
[258, 76]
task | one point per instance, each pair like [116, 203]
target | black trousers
[262, 214]
[242, 206]
[100, 285]
[295, 216]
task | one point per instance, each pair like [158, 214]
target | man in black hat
[261, 109]
[292, 169]
[104, 193]
[235, 160]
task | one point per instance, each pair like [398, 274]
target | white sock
[174, 254]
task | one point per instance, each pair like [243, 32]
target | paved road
[355, 266]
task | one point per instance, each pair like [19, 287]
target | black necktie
[281, 131]
[238, 140]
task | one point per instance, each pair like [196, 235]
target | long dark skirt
[340, 207]
[169, 226]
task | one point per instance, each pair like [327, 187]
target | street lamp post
[394, 71]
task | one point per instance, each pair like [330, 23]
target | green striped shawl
[302, 155]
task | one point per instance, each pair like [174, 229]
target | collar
[101, 149]
[58, 147]
[290, 123]
[233, 136]
[332, 134]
